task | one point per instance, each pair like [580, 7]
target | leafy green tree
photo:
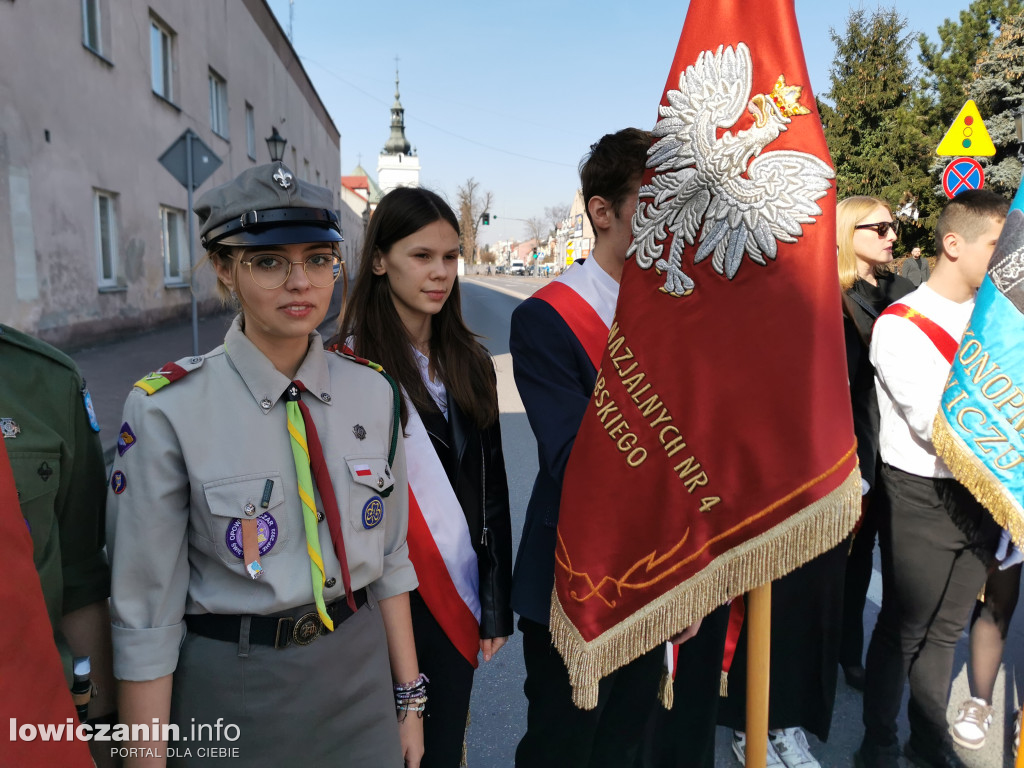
[950, 63]
[878, 142]
[998, 89]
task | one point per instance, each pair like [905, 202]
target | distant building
[93, 230]
[397, 165]
[574, 236]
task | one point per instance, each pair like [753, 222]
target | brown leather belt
[301, 628]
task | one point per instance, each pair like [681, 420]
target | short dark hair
[968, 214]
[612, 166]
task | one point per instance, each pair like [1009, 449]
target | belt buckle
[307, 629]
[284, 632]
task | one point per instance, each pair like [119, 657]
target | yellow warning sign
[968, 136]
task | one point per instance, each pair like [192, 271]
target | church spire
[397, 144]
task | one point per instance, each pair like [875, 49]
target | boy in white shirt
[936, 539]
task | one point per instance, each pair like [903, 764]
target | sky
[512, 94]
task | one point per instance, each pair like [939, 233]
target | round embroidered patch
[373, 512]
[118, 482]
[266, 535]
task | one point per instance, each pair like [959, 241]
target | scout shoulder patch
[168, 373]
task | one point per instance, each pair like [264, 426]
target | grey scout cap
[267, 205]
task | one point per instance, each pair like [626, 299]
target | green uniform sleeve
[79, 507]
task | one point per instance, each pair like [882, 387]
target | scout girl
[257, 518]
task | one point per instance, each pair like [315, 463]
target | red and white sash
[439, 543]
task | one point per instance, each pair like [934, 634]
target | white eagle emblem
[746, 201]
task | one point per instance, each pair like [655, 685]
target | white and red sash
[439, 543]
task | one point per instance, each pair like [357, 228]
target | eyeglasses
[882, 228]
[271, 270]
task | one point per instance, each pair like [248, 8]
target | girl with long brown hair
[405, 314]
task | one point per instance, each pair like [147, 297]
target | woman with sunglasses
[865, 232]
[257, 518]
[405, 313]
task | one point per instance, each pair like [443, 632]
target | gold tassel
[978, 479]
[723, 685]
[666, 693]
[798, 539]
[465, 735]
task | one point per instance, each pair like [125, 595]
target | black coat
[857, 323]
[475, 465]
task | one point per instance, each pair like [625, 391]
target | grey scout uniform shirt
[204, 446]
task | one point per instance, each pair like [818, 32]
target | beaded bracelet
[411, 697]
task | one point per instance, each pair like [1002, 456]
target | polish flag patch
[362, 470]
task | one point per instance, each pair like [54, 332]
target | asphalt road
[499, 707]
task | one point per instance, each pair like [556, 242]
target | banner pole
[759, 622]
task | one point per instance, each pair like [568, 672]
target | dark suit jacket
[555, 380]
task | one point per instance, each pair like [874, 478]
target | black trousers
[558, 734]
[684, 737]
[448, 692]
[932, 570]
[859, 566]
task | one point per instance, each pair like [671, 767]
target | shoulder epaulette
[32, 344]
[168, 373]
[348, 354]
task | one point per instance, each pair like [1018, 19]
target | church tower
[397, 165]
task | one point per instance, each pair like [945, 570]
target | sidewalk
[111, 369]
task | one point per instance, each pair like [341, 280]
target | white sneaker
[970, 727]
[792, 748]
[739, 748]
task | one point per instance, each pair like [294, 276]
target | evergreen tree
[949, 64]
[878, 143]
[998, 89]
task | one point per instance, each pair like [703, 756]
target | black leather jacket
[475, 465]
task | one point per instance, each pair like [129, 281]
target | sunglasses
[881, 228]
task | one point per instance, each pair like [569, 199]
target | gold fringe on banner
[798, 539]
[723, 685]
[978, 479]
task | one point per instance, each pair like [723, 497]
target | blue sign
[962, 174]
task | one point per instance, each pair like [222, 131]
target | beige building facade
[93, 229]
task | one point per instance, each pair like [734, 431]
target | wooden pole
[759, 620]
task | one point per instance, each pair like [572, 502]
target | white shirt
[436, 388]
[595, 285]
[910, 374]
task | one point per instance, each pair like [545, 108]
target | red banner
[717, 452]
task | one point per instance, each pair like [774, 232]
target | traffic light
[486, 217]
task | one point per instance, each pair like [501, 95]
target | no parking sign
[962, 174]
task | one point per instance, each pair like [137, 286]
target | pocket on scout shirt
[233, 499]
[37, 477]
[371, 478]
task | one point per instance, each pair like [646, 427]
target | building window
[305, 169]
[218, 104]
[172, 238]
[161, 51]
[92, 28]
[106, 238]
[250, 131]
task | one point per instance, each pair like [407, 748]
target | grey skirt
[328, 703]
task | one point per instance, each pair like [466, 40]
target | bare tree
[556, 214]
[471, 203]
[537, 228]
